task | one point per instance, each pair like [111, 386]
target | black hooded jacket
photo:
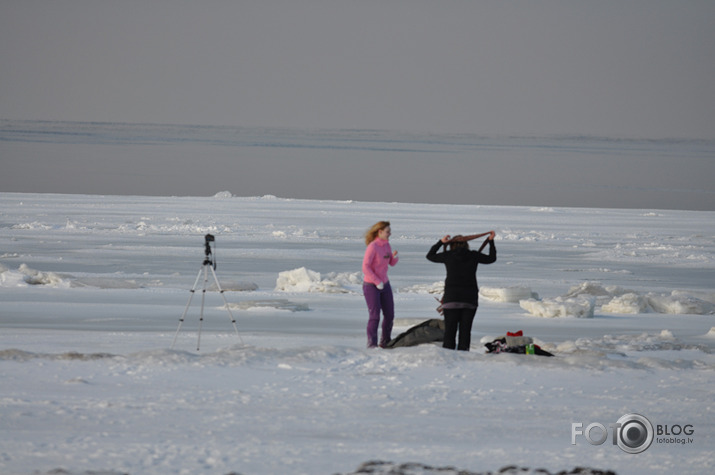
[461, 263]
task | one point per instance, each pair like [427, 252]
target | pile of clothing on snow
[516, 342]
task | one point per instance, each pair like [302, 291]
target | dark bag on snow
[428, 331]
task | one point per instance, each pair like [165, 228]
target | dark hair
[454, 245]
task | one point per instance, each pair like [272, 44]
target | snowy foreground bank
[92, 289]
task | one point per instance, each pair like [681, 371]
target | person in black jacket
[461, 293]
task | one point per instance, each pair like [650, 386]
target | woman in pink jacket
[376, 286]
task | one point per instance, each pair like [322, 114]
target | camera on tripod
[208, 239]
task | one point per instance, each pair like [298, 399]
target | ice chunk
[507, 294]
[580, 307]
[630, 303]
[306, 280]
[679, 303]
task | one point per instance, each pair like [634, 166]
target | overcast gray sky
[636, 68]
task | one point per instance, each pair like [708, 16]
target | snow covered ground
[92, 289]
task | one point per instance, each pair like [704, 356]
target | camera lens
[635, 433]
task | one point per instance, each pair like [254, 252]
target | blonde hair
[371, 233]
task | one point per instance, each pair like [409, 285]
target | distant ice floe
[580, 307]
[679, 303]
[512, 294]
[433, 288]
[141, 226]
[106, 283]
[582, 300]
[269, 305]
[33, 226]
[223, 195]
[27, 276]
[233, 286]
[306, 280]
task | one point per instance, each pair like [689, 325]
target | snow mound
[580, 307]
[306, 280]
[507, 294]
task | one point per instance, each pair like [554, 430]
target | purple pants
[379, 300]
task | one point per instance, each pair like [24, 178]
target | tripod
[208, 264]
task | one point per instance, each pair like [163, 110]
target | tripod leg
[183, 315]
[203, 299]
[225, 302]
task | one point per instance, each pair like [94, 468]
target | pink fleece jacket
[378, 256]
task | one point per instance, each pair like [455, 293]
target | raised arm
[433, 255]
[492, 256]
[492, 234]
